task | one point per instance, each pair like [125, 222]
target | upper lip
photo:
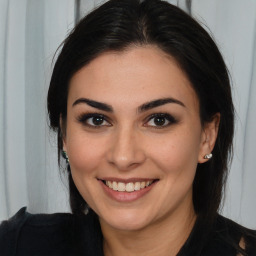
[126, 180]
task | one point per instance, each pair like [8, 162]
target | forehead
[132, 77]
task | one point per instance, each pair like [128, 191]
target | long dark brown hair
[119, 24]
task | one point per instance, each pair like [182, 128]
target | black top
[68, 234]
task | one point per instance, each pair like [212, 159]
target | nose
[126, 150]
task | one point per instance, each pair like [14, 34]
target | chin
[126, 221]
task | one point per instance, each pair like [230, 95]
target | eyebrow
[157, 103]
[94, 104]
[144, 107]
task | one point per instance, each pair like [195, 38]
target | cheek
[85, 154]
[177, 152]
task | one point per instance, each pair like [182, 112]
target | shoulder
[222, 237]
[43, 234]
[227, 235]
[9, 230]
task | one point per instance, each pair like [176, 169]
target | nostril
[127, 162]
[125, 151]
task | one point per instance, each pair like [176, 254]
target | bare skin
[150, 240]
[242, 245]
[133, 117]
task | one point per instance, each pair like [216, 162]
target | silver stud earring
[208, 156]
[65, 155]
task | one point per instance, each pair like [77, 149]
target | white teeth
[128, 187]
[109, 184]
[137, 186]
[121, 186]
[114, 185]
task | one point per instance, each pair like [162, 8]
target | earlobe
[63, 137]
[62, 126]
[209, 136]
[64, 145]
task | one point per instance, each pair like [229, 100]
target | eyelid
[82, 118]
[169, 117]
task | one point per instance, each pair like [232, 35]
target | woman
[141, 101]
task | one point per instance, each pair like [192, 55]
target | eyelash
[83, 118]
[169, 118]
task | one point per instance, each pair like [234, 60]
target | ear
[208, 138]
[63, 132]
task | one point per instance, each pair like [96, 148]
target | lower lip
[126, 196]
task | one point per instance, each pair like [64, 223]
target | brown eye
[160, 120]
[94, 120]
[97, 120]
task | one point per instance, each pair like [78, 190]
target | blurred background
[30, 33]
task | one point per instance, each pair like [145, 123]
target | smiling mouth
[128, 187]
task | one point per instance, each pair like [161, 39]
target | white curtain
[30, 32]
[233, 24]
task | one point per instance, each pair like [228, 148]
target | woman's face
[134, 137]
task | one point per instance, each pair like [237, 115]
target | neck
[163, 238]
